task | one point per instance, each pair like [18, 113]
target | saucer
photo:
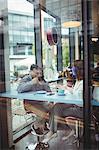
[41, 92]
[61, 94]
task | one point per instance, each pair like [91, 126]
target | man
[35, 82]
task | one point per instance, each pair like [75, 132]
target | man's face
[39, 73]
[34, 73]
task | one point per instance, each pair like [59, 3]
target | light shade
[95, 39]
[71, 24]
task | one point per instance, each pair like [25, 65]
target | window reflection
[49, 52]
[21, 52]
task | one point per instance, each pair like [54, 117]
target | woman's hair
[79, 69]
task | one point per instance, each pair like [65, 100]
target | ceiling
[72, 10]
[65, 9]
[68, 10]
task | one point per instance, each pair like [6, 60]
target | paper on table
[41, 92]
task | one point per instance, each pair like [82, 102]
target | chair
[19, 110]
[39, 134]
[36, 132]
[78, 123]
[21, 113]
[96, 123]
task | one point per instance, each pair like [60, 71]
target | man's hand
[41, 82]
[35, 80]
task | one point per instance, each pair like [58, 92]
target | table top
[67, 98]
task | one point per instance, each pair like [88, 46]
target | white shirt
[78, 87]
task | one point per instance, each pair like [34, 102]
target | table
[5, 109]
[68, 98]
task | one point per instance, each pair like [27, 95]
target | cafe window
[76, 37]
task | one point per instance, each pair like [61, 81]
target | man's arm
[46, 87]
[26, 84]
[25, 87]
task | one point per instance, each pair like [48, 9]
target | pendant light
[73, 15]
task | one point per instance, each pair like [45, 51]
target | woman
[62, 110]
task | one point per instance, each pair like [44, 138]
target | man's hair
[34, 66]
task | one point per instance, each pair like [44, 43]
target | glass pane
[21, 53]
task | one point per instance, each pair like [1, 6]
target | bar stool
[39, 145]
[96, 125]
[36, 132]
[78, 125]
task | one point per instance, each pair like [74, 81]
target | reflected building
[21, 36]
